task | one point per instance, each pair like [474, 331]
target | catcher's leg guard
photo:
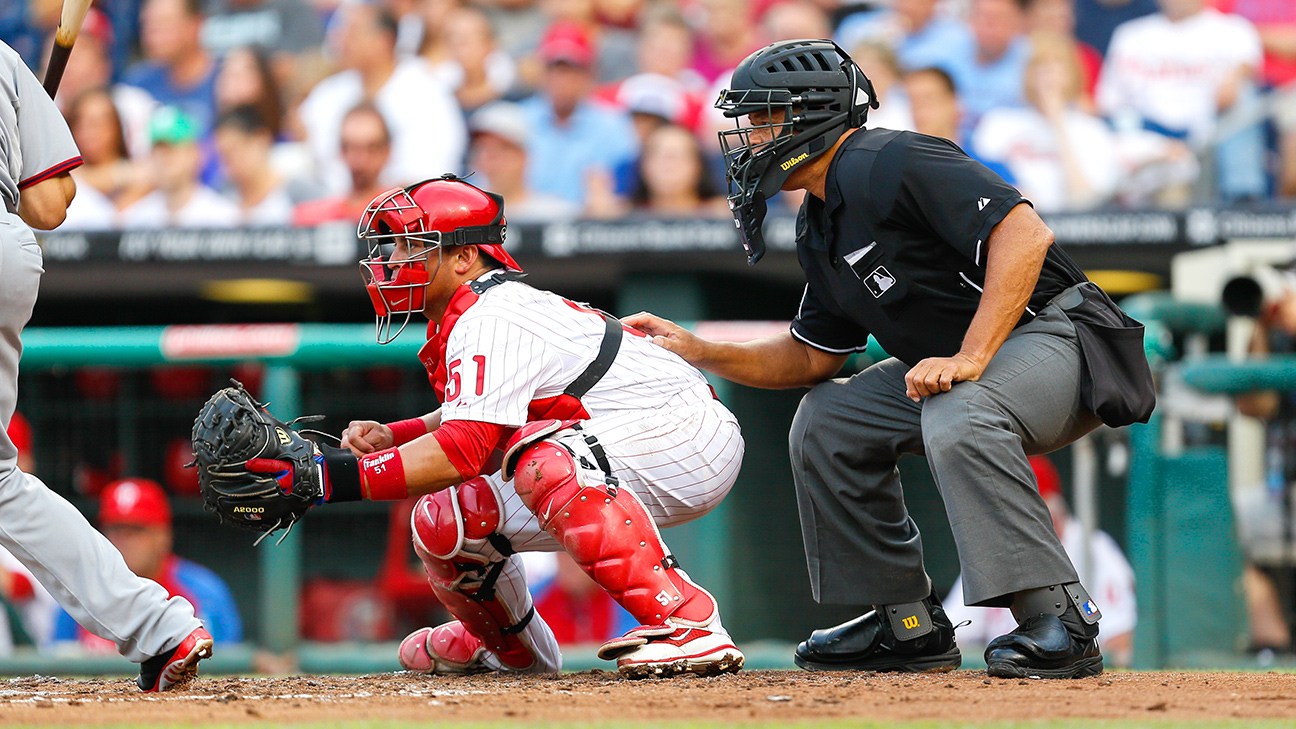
[610, 534]
[612, 537]
[455, 536]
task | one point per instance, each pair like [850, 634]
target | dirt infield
[597, 696]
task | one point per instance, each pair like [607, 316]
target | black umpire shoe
[1046, 646]
[870, 642]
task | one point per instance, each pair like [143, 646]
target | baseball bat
[74, 12]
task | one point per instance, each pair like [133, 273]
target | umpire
[903, 237]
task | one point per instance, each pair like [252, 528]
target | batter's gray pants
[77, 564]
[861, 545]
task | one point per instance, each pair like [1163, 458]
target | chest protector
[566, 406]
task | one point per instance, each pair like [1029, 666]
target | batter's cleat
[669, 650]
[178, 665]
[447, 649]
[870, 642]
[1046, 646]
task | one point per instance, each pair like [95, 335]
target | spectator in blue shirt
[988, 66]
[1096, 20]
[938, 111]
[19, 32]
[177, 71]
[920, 36]
[136, 518]
[576, 141]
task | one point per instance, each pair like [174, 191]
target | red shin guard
[452, 529]
[611, 536]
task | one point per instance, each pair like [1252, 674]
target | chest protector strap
[607, 350]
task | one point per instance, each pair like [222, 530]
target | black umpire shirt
[897, 248]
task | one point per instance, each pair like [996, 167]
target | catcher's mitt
[254, 470]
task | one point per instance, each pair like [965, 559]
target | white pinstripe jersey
[516, 345]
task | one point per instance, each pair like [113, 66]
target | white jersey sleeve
[1113, 93]
[493, 369]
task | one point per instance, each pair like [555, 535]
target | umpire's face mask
[772, 136]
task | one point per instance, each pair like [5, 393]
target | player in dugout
[604, 437]
[136, 517]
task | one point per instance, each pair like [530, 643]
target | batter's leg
[77, 565]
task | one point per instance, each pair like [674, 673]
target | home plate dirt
[594, 696]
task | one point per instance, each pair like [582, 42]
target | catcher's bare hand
[367, 436]
[935, 375]
[668, 335]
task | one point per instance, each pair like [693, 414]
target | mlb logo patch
[879, 282]
[1089, 608]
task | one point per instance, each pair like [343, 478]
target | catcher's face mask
[403, 228]
[396, 271]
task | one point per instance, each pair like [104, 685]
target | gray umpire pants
[82, 570]
[862, 547]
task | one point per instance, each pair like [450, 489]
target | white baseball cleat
[445, 649]
[669, 650]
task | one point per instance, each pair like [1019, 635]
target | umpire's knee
[807, 424]
[949, 421]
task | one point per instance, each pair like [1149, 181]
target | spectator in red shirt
[727, 36]
[1058, 17]
[366, 147]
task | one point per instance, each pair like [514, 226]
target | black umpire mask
[805, 94]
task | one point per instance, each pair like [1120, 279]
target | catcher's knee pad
[610, 534]
[458, 524]
[455, 535]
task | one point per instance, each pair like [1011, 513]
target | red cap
[96, 25]
[20, 433]
[567, 42]
[1050, 483]
[134, 501]
[179, 479]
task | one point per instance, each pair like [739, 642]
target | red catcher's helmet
[446, 211]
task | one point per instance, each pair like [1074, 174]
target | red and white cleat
[445, 649]
[160, 673]
[669, 650]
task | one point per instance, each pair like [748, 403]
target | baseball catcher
[559, 429]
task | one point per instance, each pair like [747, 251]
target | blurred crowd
[215, 113]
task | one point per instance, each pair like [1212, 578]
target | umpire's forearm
[1015, 255]
[775, 363]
